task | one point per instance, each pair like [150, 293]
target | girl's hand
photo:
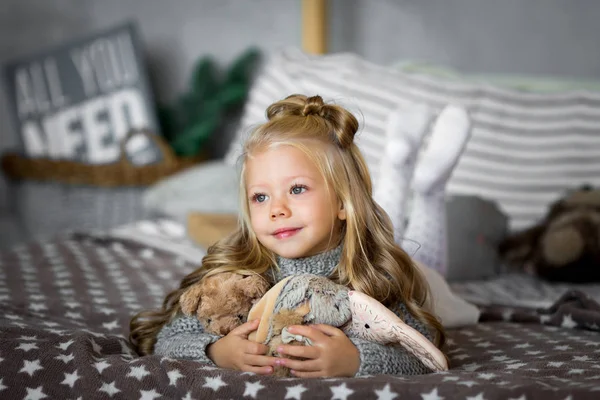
[331, 353]
[235, 351]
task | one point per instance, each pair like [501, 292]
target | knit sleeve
[184, 338]
[377, 359]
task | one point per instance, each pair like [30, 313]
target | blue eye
[259, 198]
[298, 189]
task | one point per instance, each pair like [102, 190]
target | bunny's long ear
[263, 310]
[190, 299]
[373, 321]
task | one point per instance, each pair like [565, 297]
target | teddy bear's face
[223, 309]
[222, 302]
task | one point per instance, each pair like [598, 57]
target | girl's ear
[341, 212]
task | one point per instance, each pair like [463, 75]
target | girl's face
[291, 211]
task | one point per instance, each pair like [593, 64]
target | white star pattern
[35, 393]
[568, 322]
[478, 397]
[450, 378]
[340, 392]
[111, 325]
[486, 376]
[31, 366]
[138, 372]
[70, 379]
[556, 364]
[294, 392]
[65, 345]
[149, 394]
[101, 366]
[72, 304]
[66, 358]
[37, 306]
[472, 367]
[95, 346]
[173, 376]
[385, 393]
[581, 358]
[109, 388]
[2, 386]
[27, 346]
[433, 395]
[214, 383]
[576, 371]
[252, 389]
[563, 347]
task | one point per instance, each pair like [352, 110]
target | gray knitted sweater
[185, 338]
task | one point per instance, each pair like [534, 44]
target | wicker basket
[119, 173]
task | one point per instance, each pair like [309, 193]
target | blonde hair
[371, 262]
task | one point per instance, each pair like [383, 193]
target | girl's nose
[279, 210]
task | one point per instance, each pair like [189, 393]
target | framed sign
[78, 100]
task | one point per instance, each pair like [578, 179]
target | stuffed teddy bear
[222, 301]
[565, 245]
[312, 299]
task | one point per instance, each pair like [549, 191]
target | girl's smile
[285, 233]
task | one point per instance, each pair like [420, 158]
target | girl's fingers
[308, 331]
[259, 361]
[299, 351]
[328, 329]
[258, 370]
[245, 329]
[301, 365]
[312, 374]
[256, 348]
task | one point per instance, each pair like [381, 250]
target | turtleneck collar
[319, 264]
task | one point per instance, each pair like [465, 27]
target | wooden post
[314, 26]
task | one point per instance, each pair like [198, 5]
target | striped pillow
[526, 148]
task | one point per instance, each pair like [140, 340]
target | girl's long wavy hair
[371, 261]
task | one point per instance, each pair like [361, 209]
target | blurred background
[542, 37]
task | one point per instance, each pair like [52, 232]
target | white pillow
[210, 187]
[526, 149]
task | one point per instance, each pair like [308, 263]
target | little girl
[307, 207]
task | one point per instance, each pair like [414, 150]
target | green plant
[195, 115]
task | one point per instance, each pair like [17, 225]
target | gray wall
[555, 37]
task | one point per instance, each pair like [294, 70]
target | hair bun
[342, 125]
[314, 106]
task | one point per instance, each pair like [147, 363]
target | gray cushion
[475, 227]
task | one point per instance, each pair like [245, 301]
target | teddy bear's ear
[190, 299]
[253, 286]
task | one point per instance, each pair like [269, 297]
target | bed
[66, 304]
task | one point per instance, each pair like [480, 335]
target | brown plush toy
[565, 245]
[222, 301]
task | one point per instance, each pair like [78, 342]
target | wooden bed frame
[314, 26]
